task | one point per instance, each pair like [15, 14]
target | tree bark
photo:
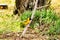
[23, 5]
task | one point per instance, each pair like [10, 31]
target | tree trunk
[23, 5]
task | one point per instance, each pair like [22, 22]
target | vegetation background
[49, 28]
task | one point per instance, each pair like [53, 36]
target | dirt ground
[30, 35]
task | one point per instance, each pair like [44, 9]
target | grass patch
[9, 23]
[41, 18]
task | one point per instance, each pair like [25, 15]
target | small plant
[55, 29]
[44, 16]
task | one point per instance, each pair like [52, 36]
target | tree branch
[33, 12]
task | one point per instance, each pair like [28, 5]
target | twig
[33, 12]
[26, 3]
[42, 6]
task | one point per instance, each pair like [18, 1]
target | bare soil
[31, 34]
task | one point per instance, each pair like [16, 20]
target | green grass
[9, 23]
[44, 17]
[55, 29]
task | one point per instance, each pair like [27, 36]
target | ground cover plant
[42, 18]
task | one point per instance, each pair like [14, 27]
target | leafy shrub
[43, 16]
